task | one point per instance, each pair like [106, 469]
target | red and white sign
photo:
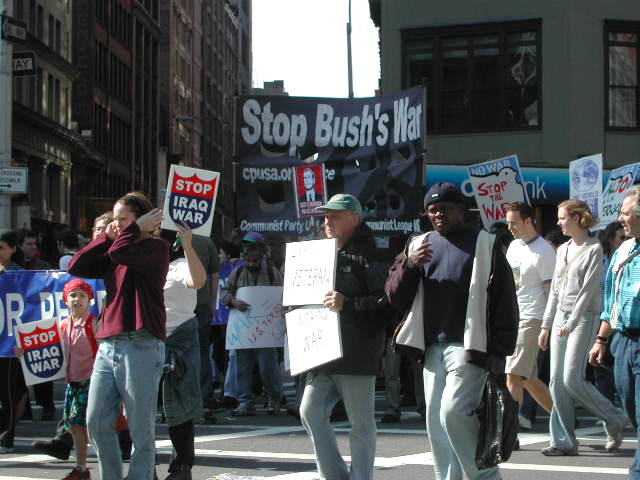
[310, 189]
[43, 356]
[191, 199]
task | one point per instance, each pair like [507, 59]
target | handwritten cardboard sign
[262, 326]
[310, 271]
[43, 357]
[496, 184]
[314, 338]
[191, 198]
[619, 182]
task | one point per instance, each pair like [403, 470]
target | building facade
[549, 81]
[42, 137]
[115, 103]
[203, 68]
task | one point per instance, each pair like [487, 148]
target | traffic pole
[6, 113]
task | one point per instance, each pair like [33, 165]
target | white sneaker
[525, 423]
[615, 439]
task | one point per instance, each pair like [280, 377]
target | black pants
[182, 441]
[13, 395]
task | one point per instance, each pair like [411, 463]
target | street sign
[14, 179]
[24, 64]
[13, 30]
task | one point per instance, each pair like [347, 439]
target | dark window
[622, 44]
[51, 33]
[479, 78]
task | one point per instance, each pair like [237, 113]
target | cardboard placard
[313, 338]
[262, 326]
[310, 271]
[43, 358]
[191, 198]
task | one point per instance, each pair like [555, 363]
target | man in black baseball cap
[444, 275]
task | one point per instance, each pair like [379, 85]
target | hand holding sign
[334, 300]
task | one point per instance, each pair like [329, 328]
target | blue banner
[31, 295]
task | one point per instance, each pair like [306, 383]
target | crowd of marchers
[559, 317]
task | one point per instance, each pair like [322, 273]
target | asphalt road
[278, 448]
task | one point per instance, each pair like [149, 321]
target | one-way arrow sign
[13, 30]
[24, 64]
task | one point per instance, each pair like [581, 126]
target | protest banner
[43, 357]
[27, 296]
[191, 198]
[314, 337]
[311, 190]
[262, 325]
[371, 148]
[586, 181]
[496, 184]
[310, 272]
[619, 182]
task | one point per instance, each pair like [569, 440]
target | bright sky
[304, 43]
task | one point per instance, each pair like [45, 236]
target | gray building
[550, 81]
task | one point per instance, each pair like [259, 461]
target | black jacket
[360, 277]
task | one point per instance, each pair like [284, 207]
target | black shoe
[228, 403]
[390, 416]
[53, 448]
[48, 414]
[179, 472]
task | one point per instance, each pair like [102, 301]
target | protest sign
[311, 191]
[310, 271]
[27, 296]
[586, 181]
[43, 356]
[496, 184]
[314, 337]
[191, 198]
[262, 325]
[371, 148]
[619, 182]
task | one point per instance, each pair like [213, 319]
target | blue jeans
[270, 373]
[127, 370]
[453, 390]
[321, 393]
[568, 383]
[626, 371]
[231, 388]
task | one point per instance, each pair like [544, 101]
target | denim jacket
[181, 385]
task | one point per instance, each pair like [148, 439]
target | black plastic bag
[498, 415]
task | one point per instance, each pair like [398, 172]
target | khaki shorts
[524, 361]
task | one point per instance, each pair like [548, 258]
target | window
[622, 43]
[51, 33]
[479, 78]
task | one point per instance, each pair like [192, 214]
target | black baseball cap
[443, 192]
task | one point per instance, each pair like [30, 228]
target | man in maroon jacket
[133, 264]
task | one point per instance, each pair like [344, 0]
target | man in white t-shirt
[532, 260]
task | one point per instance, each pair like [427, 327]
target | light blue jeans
[321, 393]
[270, 373]
[569, 357]
[626, 351]
[231, 377]
[453, 391]
[127, 370]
